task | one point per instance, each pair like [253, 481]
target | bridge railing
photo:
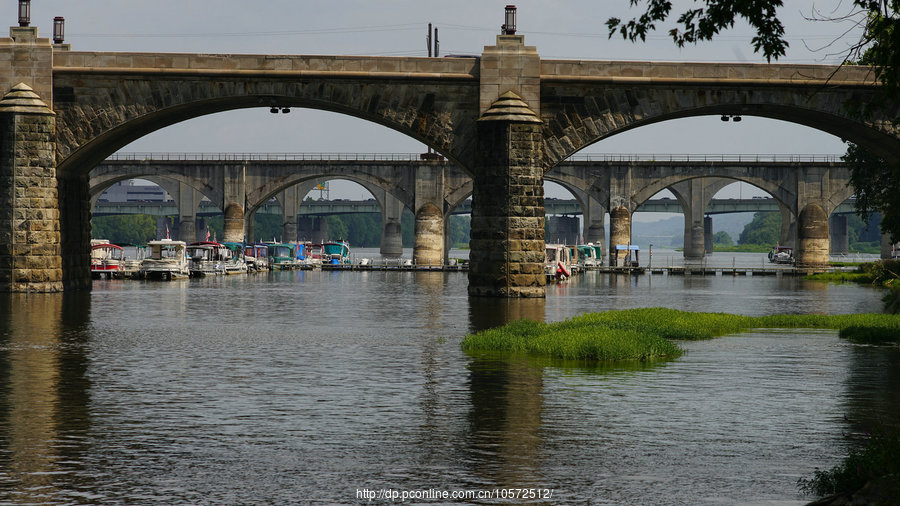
[701, 157]
[189, 156]
[586, 157]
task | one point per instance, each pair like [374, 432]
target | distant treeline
[765, 230]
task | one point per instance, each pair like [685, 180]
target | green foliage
[876, 184]
[695, 25]
[337, 228]
[880, 46]
[459, 228]
[876, 463]
[722, 238]
[267, 226]
[124, 229]
[765, 229]
[573, 339]
[216, 225]
[645, 334]
[882, 273]
[744, 248]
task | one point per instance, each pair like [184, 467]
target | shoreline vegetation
[647, 334]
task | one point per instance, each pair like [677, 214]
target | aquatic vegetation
[882, 273]
[647, 333]
[572, 340]
[874, 467]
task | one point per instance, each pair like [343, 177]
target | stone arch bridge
[505, 118]
[433, 189]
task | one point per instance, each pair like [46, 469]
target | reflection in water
[872, 394]
[44, 402]
[488, 312]
[505, 422]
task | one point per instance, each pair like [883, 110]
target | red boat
[107, 260]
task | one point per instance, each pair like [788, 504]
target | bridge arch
[116, 110]
[261, 194]
[101, 178]
[576, 116]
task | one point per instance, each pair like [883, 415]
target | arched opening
[772, 158]
[305, 134]
[564, 214]
[339, 209]
[741, 217]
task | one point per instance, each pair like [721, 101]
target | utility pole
[433, 48]
[432, 42]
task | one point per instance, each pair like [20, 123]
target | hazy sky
[570, 29]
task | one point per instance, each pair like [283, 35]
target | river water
[323, 387]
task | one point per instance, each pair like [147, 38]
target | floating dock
[395, 267]
[713, 271]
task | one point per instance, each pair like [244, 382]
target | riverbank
[647, 333]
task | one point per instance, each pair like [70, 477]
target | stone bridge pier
[391, 230]
[507, 236]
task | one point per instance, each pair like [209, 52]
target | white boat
[781, 255]
[587, 256]
[256, 256]
[107, 260]
[557, 261]
[210, 258]
[167, 260]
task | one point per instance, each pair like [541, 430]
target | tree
[878, 46]
[876, 185]
[765, 229]
[124, 229]
[722, 238]
[703, 24]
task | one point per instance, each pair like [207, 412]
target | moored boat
[107, 260]
[167, 260]
[781, 255]
[211, 258]
[557, 261]
[282, 257]
[336, 253]
[587, 256]
[257, 257]
[236, 262]
[315, 255]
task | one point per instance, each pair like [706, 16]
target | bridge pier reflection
[489, 313]
[44, 411]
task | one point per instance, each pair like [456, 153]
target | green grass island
[649, 333]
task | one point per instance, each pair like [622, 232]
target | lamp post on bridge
[24, 12]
